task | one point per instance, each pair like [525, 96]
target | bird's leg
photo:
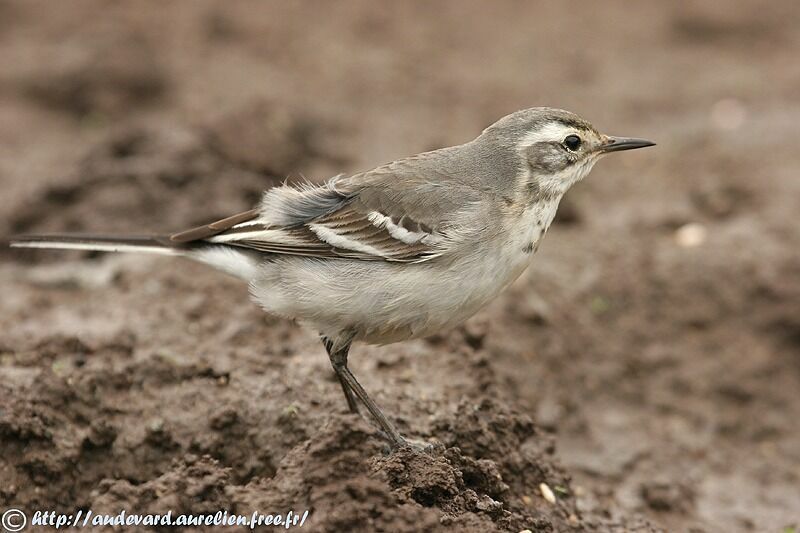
[352, 403]
[351, 386]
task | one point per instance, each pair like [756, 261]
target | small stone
[728, 114]
[101, 435]
[691, 235]
[225, 417]
[547, 493]
[158, 435]
[667, 496]
[487, 505]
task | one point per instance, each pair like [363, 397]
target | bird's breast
[527, 230]
[499, 261]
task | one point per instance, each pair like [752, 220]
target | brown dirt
[652, 386]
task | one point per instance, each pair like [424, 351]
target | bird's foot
[422, 446]
[418, 446]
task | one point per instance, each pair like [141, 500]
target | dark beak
[617, 144]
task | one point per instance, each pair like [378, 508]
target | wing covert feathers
[327, 221]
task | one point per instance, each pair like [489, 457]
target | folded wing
[373, 216]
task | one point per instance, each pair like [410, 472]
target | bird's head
[556, 148]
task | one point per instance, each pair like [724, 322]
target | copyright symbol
[14, 520]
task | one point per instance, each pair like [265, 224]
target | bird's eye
[572, 142]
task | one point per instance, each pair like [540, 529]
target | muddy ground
[646, 367]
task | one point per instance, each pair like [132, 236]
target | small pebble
[691, 235]
[547, 493]
[728, 114]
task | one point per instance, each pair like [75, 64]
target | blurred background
[654, 342]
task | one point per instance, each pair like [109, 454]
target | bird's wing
[376, 216]
[215, 228]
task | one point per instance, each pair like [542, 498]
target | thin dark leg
[350, 383]
[352, 403]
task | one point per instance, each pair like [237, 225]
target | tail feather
[101, 243]
[237, 262]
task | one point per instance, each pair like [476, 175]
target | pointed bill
[618, 144]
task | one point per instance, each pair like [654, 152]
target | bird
[401, 251]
